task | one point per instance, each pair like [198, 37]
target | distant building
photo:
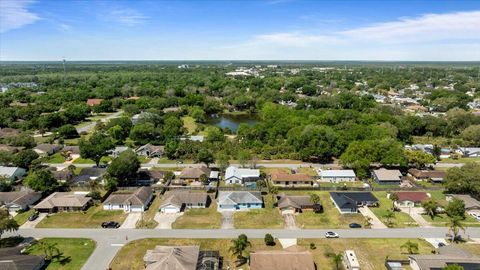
[335, 176]
[12, 173]
[94, 101]
[150, 150]
[19, 200]
[421, 175]
[46, 149]
[387, 177]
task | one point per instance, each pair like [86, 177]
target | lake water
[233, 121]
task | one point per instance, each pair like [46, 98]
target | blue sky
[240, 30]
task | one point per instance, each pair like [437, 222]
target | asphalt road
[110, 241]
[91, 125]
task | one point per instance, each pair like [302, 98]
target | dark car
[110, 225]
[33, 217]
[355, 225]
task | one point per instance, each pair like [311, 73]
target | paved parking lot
[165, 221]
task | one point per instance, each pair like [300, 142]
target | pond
[233, 121]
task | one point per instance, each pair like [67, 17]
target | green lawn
[460, 160]
[268, 217]
[147, 221]
[442, 219]
[130, 257]
[21, 218]
[92, 218]
[190, 124]
[330, 218]
[74, 251]
[55, 158]
[144, 159]
[401, 219]
[80, 160]
[206, 218]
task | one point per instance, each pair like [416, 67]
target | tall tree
[7, 223]
[42, 180]
[430, 206]
[125, 166]
[96, 147]
[454, 226]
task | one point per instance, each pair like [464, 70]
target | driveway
[32, 224]
[374, 220]
[290, 222]
[165, 221]
[227, 219]
[416, 214]
[131, 221]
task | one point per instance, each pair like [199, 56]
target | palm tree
[337, 259]
[239, 245]
[454, 226]
[394, 198]
[430, 207]
[389, 215]
[410, 246]
[273, 190]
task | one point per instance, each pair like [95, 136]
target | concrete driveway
[131, 221]
[227, 219]
[32, 224]
[374, 220]
[416, 214]
[290, 221]
[165, 221]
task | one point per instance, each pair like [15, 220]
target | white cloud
[129, 17]
[15, 14]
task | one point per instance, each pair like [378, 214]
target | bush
[95, 195]
[312, 246]
[269, 240]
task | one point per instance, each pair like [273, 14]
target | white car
[475, 215]
[331, 235]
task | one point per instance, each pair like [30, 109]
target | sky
[406, 30]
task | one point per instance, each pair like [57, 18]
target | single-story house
[62, 175]
[47, 149]
[79, 181]
[13, 259]
[64, 202]
[194, 174]
[150, 150]
[178, 201]
[470, 202]
[387, 177]
[94, 101]
[469, 151]
[445, 255]
[136, 201]
[410, 198]
[292, 257]
[291, 180]
[149, 177]
[420, 175]
[71, 150]
[93, 172]
[294, 204]
[9, 132]
[12, 173]
[348, 202]
[236, 200]
[335, 176]
[241, 176]
[19, 200]
[181, 258]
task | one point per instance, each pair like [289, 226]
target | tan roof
[178, 198]
[286, 201]
[94, 101]
[63, 199]
[427, 174]
[286, 177]
[291, 258]
[194, 173]
[9, 132]
[8, 148]
[140, 197]
[388, 175]
[172, 258]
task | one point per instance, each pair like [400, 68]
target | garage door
[171, 210]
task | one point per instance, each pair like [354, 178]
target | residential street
[110, 241]
[92, 124]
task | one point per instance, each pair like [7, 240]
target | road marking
[117, 245]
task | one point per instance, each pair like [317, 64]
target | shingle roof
[412, 196]
[469, 201]
[388, 175]
[8, 171]
[337, 173]
[9, 132]
[447, 255]
[138, 198]
[12, 259]
[178, 198]
[63, 199]
[93, 171]
[286, 177]
[291, 258]
[194, 173]
[350, 199]
[241, 173]
[172, 258]
[427, 174]
[236, 197]
[286, 201]
[46, 147]
[19, 197]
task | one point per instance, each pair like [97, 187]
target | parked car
[475, 216]
[33, 216]
[354, 225]
[110, 225]
[331, 235]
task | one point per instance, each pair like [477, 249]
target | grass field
[441, 220]
[55, 158]
[206, 218]
[92, 218]
[401, 219]
[330, 218]
[147, 221]
[268, 217]
[130, 257]
[80, 160]
[189, 124]
[370, 252]
[460, 160]
[21, 218]
[75, 252]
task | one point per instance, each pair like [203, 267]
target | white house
[137, 201]
[335, 176]
[234, 175]
[12, 173]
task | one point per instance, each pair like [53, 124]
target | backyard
[92, 218]
[74, 252]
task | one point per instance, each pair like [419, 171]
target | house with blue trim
[236, 200]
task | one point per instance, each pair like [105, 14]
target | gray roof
[194, 173]
[140, 197]
[12, 259]
[178, 198]
[63, 199]
[351, 199]
[46, 147]
[287, 201]
[8, 171]
[470, 202]
[236, 197]
[447, 255]
[93, 171]
[172, 258]
[23, 197]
